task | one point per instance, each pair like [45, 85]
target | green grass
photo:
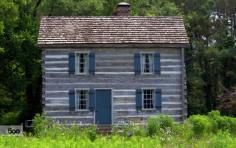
[219, 140]
[64, 142]
[209, 131]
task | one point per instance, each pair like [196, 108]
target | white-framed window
[147, 63]
[81, 63]
[82, 99]
[148, 99]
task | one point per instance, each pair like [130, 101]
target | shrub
[41, 125]
[214, 113]
[200, 125]
[91, 132]
[139, 131]
[74, 131]
[152, 126]
[232, 123]
[226, 123]
[222, 122]
[55, 131]
[155, 124]
[182, 130]
[215, 118]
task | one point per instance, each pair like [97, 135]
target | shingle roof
[112, 30]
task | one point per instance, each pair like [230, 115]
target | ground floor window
[148, 98]
[82, 99]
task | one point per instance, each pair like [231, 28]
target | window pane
[147, 63]
[148, 98]
[82, 99]
[86, 63]
[82, 63]
[77, 64]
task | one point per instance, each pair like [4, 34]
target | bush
[214, 113]
[91, 132]
[232, 125]
[222, 122]
[152, 126]
[155, 124]
[182, 130]
[213, 122]
[41, 125]
[215, 118]
[200, 125]
[139, 131]
[74, 131]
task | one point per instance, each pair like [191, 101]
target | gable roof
[111, 30]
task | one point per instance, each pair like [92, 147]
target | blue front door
[103, 107]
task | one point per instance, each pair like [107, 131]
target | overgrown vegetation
[159, 123]
[211, 130]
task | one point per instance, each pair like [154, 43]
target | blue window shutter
[91, 99]
[71, 63]
[158, 99]
[157, 63]
[139, 99]
[72, 100]
[137, 63]
[91, 63]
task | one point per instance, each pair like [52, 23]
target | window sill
[82, 74]
[147, 73]
[150, 74]
[151, 109]
[80, 110]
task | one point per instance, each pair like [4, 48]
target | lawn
[220, 140]
[212, 130]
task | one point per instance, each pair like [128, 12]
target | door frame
[111, 103]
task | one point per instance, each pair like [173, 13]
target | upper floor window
[81, 63]
[82, 99]
[147, 63]
[148, 98]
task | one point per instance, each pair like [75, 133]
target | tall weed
[222, 123]
[155, 124]
[200, 125]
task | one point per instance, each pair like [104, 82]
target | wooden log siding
[114, 69]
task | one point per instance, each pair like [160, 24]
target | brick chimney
[122, 9]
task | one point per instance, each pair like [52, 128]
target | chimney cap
[123, 4]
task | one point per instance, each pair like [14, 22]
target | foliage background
[210, 59]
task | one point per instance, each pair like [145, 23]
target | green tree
[71, 7]
[20, 61]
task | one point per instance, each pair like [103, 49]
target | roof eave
[114, 45]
